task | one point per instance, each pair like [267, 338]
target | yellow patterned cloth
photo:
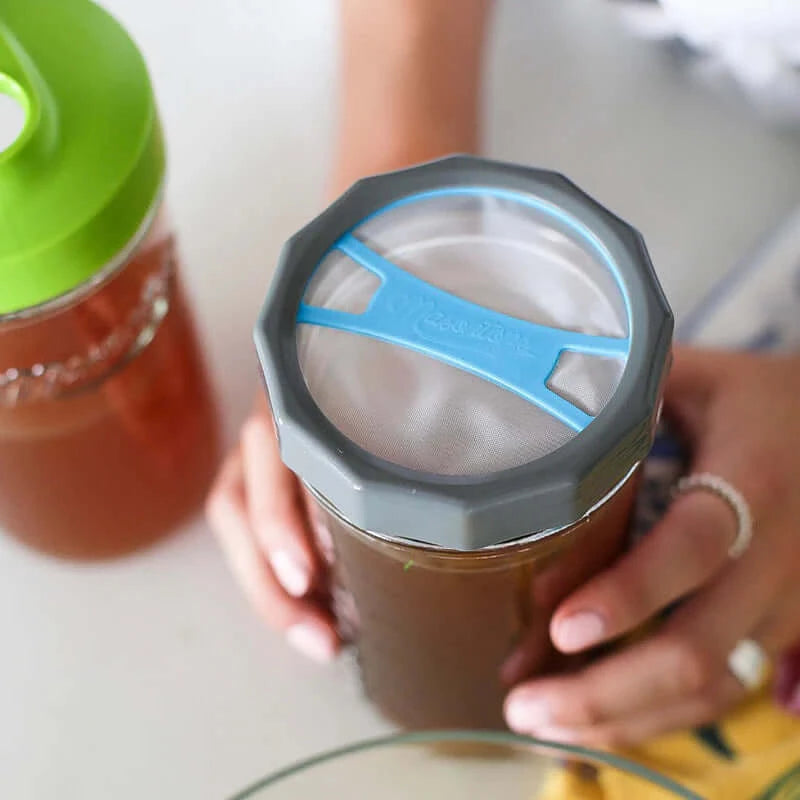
[754, 754]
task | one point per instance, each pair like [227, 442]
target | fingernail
[579, 631]
[312, 641]
[293, 576]
[527, 714]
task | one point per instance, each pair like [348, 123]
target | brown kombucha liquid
[113, 440]
[433, 628]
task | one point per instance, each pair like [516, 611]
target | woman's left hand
[740, 414]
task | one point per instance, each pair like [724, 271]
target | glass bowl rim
[481, 737]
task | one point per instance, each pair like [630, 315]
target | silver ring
[732, 496]
[749, 664]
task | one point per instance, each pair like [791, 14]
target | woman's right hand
[258, 512]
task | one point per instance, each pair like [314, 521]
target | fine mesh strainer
[493, 249]
[464, 353]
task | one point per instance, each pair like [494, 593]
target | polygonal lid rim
[475, 511]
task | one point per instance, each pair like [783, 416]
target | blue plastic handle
[516, 354]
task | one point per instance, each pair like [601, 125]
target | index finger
[684, 551]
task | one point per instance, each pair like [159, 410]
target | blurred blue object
[754, 43]
[755, 307]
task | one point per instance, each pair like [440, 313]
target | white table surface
[149, 677]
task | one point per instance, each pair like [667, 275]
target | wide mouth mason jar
[108, 429]
[465, 363]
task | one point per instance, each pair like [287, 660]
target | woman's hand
[741, 415]
[257, 510]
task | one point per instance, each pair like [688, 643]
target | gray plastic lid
[464, 353]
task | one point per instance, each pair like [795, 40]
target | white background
[149, 678]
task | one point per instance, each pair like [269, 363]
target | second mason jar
[108, 425]
[465, 363]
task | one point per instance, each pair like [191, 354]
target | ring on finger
[717, 485]
[748, 662]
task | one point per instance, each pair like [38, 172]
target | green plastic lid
[82, 175]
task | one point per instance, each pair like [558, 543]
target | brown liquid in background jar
[128, 452]
[432, 629]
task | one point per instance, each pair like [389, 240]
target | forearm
[410, 80]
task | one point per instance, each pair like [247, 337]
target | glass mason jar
[464, 362]
[108, 430]
[434, 628]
